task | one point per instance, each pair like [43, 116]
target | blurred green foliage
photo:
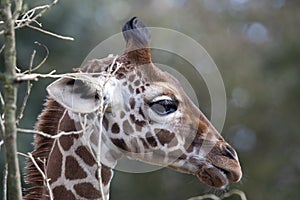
[256, 47]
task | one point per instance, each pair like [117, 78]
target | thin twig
[2, 127]
[28, 131]
[44, 59]
[50, 33]
[1, 100]
[46, 179]
[1, 143]
[2, 48]
[28, 90]
[102, 109]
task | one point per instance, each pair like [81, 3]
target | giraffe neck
[70, 164]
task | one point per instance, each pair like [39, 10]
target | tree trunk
[10, 98]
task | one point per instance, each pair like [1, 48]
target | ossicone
[137, 38]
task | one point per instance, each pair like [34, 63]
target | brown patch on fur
[48, 123]
[151, 140]
[106, 174]
[164, 136]
[127, 128]
[131, 78]
[137, 83]
[122, 114]
[87, 190]
[66, 141]
[73, 170]
[85, 155]
[141, 112]
[137, 91]
[119, 143]
[54, 167]
[61, 193]
[105, 123]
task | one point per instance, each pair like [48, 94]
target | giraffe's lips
[213, 176]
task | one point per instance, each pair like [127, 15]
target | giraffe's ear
[79, 94]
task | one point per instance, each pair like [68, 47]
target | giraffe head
[149, 116]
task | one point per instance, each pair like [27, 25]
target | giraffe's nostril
[229, 152]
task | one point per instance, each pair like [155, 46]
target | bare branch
[34, 76]
[29, 85]
[18, 9]
[50, 33]
[31, 16]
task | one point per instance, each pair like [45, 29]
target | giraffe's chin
[213, 176]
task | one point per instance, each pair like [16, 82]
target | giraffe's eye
[164, 105]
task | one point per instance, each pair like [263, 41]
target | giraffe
[148, 117]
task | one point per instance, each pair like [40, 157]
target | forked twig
[29, 155]
[239, 193]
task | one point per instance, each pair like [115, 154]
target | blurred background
[255, 45]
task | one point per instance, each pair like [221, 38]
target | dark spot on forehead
[142, 88]
[139, 74]
[115, 128]
[122, 114]
[137, 82]
[132, 118]
[131, 78]
[132, 103]
[137, 91]
[130, 88]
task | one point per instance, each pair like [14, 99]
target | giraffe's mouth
[214, 176]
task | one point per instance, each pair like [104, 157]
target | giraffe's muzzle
[221, 166]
